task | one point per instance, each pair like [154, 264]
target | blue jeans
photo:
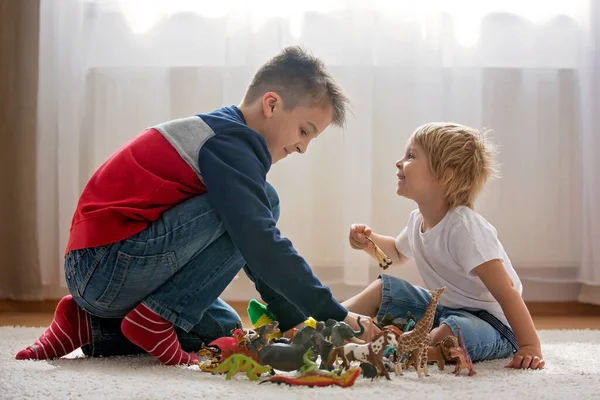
[482, 340]
[178, 267]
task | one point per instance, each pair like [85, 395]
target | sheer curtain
[590, 260]
[108, 69]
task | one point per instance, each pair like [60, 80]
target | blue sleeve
[234, 166]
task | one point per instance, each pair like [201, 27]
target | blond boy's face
[415, 178]
[291, 131]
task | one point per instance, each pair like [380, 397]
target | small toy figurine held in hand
[383, 260]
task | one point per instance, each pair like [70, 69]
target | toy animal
[417, 340]
[240, 342]
[383, 260]
[263, 333]
[237, 363]
[224, 347]
[369, 371]
[371, 352]
[464, 360]
[311, 375]
[259, 315]
[304, 334]
[340, 332]
[440, 351]
[284, 357]
[322, 346]
[399, 322]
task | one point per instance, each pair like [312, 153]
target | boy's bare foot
[69, 330]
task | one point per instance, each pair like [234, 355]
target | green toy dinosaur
[238, 363]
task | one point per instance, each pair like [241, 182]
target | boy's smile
[416, 181]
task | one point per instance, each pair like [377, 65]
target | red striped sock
[70, 329]
[148, 330]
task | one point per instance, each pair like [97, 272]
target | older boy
[165, 224]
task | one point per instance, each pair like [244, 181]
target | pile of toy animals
[402, 343]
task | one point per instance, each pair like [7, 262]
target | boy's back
[149, 175]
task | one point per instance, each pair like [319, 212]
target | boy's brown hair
[300, 79]
[459, 156]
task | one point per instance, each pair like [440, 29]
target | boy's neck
[252, 117]
[433, 212]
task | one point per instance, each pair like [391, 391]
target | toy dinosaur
[383, 260]
[371, 352]
[464, 360]
[223, 347]
[239, 343]
[311, 375]
[237, 363]
[418, 339]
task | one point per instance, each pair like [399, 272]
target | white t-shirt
[447, 253]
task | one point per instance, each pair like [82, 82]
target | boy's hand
[370, 328]
[528, 357]
[358, 234]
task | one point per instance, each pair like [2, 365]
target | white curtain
[108, 69]
[590, 256]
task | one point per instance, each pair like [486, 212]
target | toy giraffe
[417, 340]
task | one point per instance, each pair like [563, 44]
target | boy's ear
[270, 102]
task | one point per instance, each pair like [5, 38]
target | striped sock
[148, 330]
[70, 329]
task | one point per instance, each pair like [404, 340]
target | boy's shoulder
[466, 219]
[225, 119]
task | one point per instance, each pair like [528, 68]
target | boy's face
[291, 131]
[415, 178]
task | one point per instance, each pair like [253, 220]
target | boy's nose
[301, 148]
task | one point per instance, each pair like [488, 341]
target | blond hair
[300, 79]
[461, 157]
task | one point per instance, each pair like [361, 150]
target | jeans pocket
[80, 266]
[134, 278]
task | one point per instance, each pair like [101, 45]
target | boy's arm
[496, 279]
[387, 244]
[234, 167]
[276, 303]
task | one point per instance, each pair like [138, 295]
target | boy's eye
[410, 155]
[303, 132]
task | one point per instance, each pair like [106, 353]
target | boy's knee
[376, 285]
[273, 200]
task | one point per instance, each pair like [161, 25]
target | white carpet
[572, 373]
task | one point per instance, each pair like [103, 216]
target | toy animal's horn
[357, 340]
